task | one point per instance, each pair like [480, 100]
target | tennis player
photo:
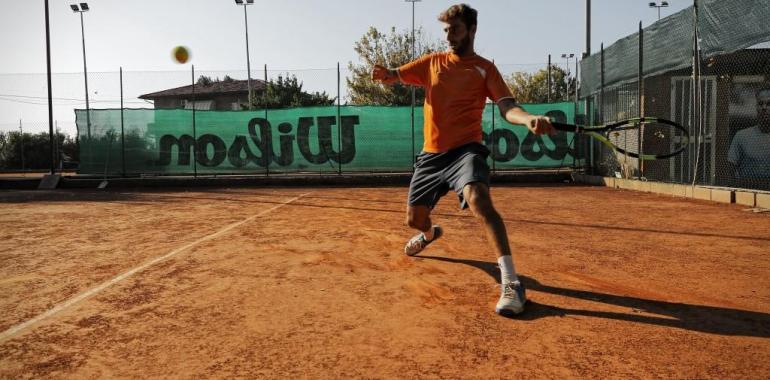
[457, 83]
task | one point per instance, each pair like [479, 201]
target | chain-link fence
[720, 93]
[282, 120]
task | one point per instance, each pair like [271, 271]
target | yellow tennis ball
[181, 54]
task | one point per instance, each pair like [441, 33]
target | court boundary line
[17, 329]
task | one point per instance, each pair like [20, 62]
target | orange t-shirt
[456, 90]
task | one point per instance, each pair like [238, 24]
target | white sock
[507, 271]
[429, 234]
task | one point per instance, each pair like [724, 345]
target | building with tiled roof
[228, 94]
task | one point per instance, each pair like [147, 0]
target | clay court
[313, 282]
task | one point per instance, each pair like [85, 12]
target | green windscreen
[361, 139]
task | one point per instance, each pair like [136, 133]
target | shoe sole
[508, 313]
[511, 313]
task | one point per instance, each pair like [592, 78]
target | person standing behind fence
[457, 83]
[750, 149]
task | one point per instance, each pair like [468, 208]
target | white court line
[15, 330]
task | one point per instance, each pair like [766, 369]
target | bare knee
[418, 217]
[479, 201]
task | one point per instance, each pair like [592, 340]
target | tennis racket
[660, 138]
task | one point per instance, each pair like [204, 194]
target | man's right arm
[514, 114]
[384, 74]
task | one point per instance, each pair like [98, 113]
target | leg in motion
[418, 217]
[513, 297]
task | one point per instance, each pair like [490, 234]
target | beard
[462, 46]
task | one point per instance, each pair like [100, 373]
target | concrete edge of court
[746, 197]
[276, 180]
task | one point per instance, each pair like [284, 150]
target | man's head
[459, 28]
[763, 109]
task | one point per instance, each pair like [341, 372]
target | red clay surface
[622, 284]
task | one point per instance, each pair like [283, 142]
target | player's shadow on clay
[709, 319]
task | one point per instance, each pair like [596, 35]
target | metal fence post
[195, 136]
[269, 144]
[339, 124]
[122, 129]
[492, 135]
[640, 97]
[21, 144]
[548, 90]
[492, 139]
[601, 106]
[575, 144]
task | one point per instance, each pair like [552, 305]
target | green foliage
[286, 92]
[205, 81]
[533, 88]
[390, 50]
[36, 150]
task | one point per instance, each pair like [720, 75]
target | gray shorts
[436, 173]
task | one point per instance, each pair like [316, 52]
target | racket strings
[661, 139]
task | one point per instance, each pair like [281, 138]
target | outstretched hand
[540, 125]
[382, 74]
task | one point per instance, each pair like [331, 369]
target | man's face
[763, 110]
[458, 36]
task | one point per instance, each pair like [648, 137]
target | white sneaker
[512, 299]
[418, 242]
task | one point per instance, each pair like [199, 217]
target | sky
[305, 37]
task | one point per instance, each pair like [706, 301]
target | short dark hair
[462, 12]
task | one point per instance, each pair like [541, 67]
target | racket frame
[598, 132]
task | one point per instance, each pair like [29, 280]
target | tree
[287, 92]
[36, 150]
[283, 92]
[205, 81]
[389, 50]
[533, 88]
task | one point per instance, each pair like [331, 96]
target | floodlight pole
[248, 60]
[50, 92]
[414, 52]
[577, 72]
[567, 57]
[588, 29]
[82, 10]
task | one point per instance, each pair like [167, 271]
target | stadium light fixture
[654, 4]
[568, 57]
